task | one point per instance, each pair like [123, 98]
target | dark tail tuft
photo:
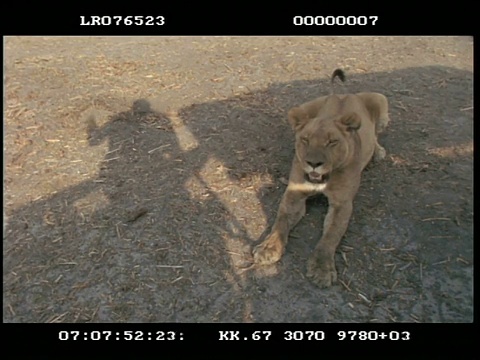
[340, 73]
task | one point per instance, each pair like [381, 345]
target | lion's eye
[332, 142]
[304, 139]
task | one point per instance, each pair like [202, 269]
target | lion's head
[323, 144]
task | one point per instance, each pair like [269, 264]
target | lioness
[335, 138]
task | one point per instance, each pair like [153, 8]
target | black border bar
[241, 18]
[427, 339]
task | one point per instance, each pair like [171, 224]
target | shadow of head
[139, 116]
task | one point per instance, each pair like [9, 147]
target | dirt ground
[140, 171]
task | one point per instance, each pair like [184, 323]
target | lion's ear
[297, 117]
[350, 121]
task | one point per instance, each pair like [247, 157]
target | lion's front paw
[379, 153]
[322, 272]
[269, 251]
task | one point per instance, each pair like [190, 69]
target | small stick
[346, 286]
[430, 219]
[118, 157]
[442, 262]
[363, 297]
[170, 266]
[177, 279]
[160, 147]
[401, 106]
[414, 318]
[57, 318]
[113, 151]
[94, 312]
[118, 232]
[11, 309]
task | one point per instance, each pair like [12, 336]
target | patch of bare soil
[141, 171]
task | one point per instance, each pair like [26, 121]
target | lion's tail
[341, 75]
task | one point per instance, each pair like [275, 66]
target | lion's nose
[314, 165]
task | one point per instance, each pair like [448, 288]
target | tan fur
[336, 137]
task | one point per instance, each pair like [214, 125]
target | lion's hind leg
[381, 123]
[381, 119]
[377, 105]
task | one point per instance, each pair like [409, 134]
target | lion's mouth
[316, 178]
